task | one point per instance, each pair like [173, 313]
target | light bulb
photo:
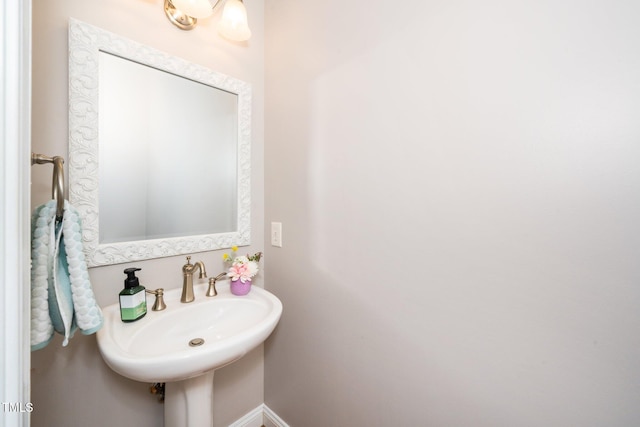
[233, 23]
[194, 8]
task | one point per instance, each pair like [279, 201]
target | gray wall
[72, 386]
[459, 189]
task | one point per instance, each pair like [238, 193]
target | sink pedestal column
[189, 402]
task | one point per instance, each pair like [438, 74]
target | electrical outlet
[276, 234]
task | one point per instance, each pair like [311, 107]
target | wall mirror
[159, 151]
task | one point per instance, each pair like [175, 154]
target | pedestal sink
[185, 343]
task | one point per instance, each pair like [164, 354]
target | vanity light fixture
[233, 25]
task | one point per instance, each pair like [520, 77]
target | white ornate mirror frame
[85, 44]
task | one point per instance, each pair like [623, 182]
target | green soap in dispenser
[133, 298]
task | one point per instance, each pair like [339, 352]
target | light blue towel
[62, 299]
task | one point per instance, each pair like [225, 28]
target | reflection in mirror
[159, 151]
[164, 172]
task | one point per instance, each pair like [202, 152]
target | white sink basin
[156, 348]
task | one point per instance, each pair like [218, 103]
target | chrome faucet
[187, 273]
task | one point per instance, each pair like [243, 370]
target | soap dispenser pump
[133, 299]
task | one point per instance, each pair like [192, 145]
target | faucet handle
[159, 304]
[212, 292]
[188, 259]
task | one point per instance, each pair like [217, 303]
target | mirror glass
[164, 172]
[159, 151]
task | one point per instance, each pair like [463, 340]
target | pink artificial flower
[240, 271]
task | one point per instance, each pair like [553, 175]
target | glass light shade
[194, 8]
[233, 23]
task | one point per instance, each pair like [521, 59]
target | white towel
[62, 299]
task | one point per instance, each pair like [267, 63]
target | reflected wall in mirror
[159, 151]
[150, 154]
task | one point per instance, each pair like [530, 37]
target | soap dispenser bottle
[133, 299]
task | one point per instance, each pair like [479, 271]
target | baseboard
[260, 416]
[251, 419]
[271, 419]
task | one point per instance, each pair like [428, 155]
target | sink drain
[196, 342]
